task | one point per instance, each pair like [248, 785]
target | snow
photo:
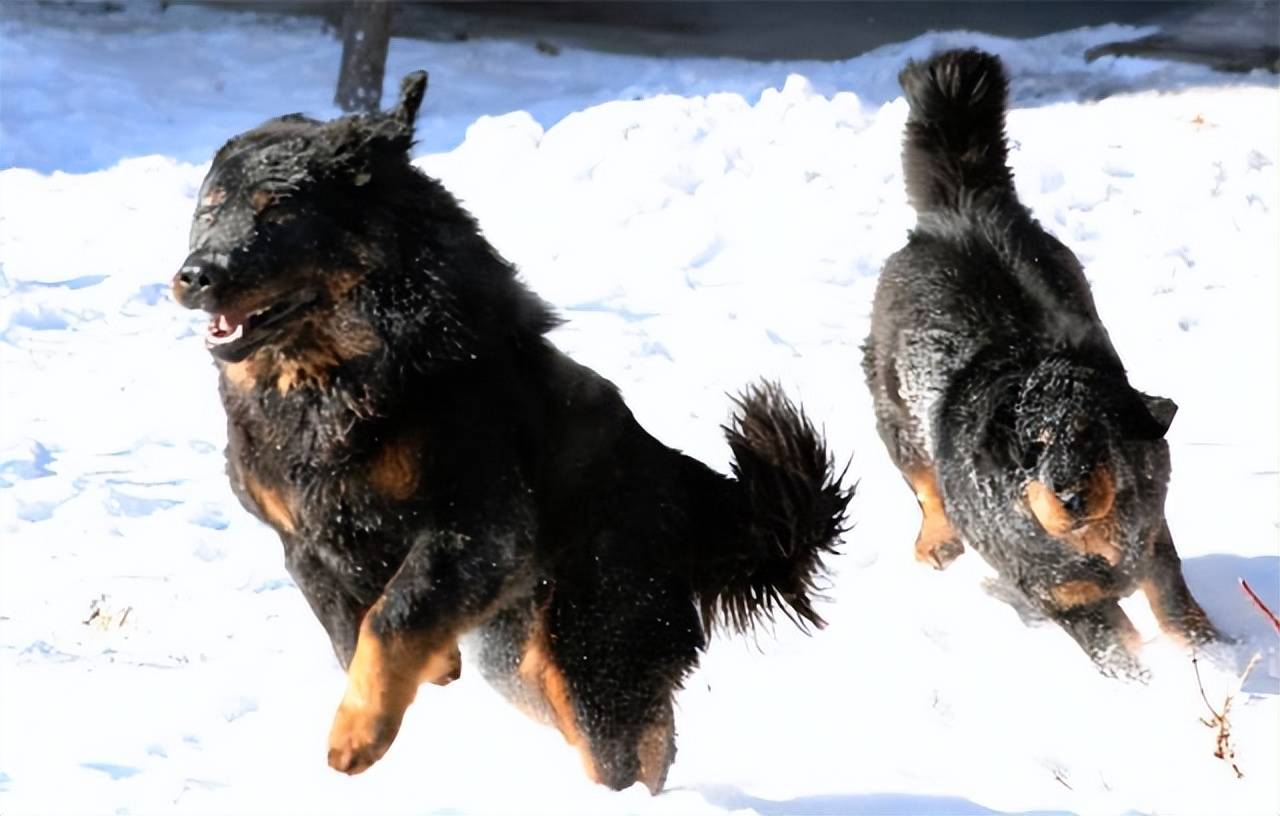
[700, 223]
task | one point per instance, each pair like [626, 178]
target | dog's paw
[452, 671]
[1119, 664]
[938, 552]
[359, 738]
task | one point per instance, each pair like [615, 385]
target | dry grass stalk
[1220, 720]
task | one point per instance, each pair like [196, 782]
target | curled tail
[791, 511]
[955, 149]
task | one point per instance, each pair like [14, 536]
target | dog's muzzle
[198, 279]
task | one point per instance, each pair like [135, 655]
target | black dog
[999, 395]
[435, 467]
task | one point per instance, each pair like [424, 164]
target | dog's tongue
[222, 329]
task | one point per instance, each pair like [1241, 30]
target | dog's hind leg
[936, 543]
[542, 691]
[518, 657]
[1175, 609]
[656, 746]
[615, 655]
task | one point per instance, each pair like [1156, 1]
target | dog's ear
[355, 148]
[998, 445]
[1162, 409]
[1149, 416]
[391, 133]
[412, 89]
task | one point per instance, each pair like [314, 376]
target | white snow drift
[155, 657]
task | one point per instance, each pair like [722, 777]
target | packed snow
[700, 224]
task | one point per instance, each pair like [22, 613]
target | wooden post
[366, 32]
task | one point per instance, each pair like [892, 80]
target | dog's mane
[454, 298]
[438, 296]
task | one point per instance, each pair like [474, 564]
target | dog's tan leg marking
[936, 543]
[1071, 595]
[381, 683]
[1077, 593]
[543, 677]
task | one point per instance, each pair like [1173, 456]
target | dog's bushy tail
[955, 152]
[791, 511]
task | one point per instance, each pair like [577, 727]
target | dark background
[1232, 35]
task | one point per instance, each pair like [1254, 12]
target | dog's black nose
[196, 279]
[1074, 502]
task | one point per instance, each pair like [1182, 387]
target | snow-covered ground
[154, 655]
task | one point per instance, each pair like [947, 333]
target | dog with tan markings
[1000, 396]
[438, 471]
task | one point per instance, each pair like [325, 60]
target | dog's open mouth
[233, 335]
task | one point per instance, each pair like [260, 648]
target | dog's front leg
[446, 585]
[337, 609]
[1082, 600]
[1166, 589]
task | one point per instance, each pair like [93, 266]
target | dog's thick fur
[436, 468]
[998, 392]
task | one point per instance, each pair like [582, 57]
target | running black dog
[999, 395]
[435, 467]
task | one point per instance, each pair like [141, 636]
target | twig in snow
[1220, 720]
[1253, 596]
[103, 617]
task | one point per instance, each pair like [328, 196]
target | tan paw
[938, 552]
[359, 738]
[450, 668]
